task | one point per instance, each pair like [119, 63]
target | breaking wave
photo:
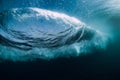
[33, 33]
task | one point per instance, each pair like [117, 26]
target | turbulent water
[31, 33]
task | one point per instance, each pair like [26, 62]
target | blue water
[38, 30]
[28, 33]
[60, 39]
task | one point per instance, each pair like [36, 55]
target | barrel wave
[33, 33]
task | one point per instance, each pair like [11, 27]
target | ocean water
[60, 39]
[30, 33]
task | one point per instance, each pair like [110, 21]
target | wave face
[31, 33]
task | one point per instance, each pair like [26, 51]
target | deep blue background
[102, 65]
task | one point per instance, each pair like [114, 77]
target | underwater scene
[60, 39]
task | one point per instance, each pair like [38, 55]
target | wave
[31, 33]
